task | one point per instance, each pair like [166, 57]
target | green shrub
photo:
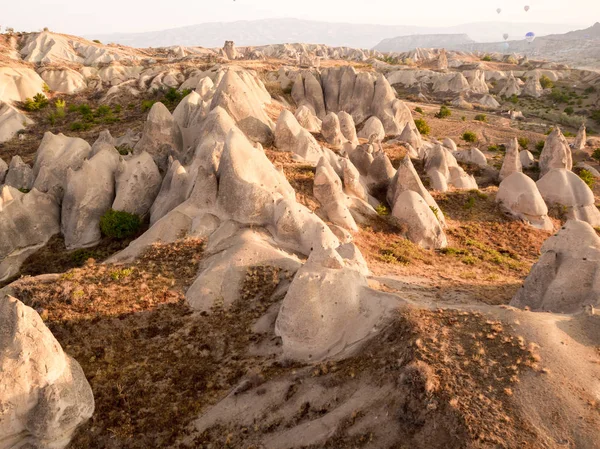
[596, 116]
[596, 154]
[39, 101]
[147, 105]
[539, 146]
[546, 82]
[60, 106]
[173, 96]
[103, 110]
[590, 90]
[487, 58]
[419, 110]
[45, 88]
[97, 41]
[569, 110]
[422, 126]
[117, 108]
[559, 96]
[469, 136]
[493, 148]
[80, 126]
[382, 210]
[481, 118]
[444, 112]
[514, 99]
[463, 118]
[523, 142]
[119, 224]
[588, 178]
[124, 150]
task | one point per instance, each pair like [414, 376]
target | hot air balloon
[499, 10]
[505, 36]
[530, 37]
[526, 8]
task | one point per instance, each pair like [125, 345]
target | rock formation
[556, 153]
[580, 139]
[519, 196]
[423, 227]
[563, 188]
[19, 175]
[138, 182]
[512, 160]
[443, 171]
[372, 127]
[44, 392]
[566, 276]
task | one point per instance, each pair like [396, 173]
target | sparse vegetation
[539, 145]
[559, 96]
[444, 112]
[487, 58]
[39, 101]
[523, 142]
[419, 110]
[596, 154]
[481, 118]
[588, 178]
[469, 136]
[422, 126]
[96, 41]
[546, 82]
[382, 210]
[119, 224]
[569, 110]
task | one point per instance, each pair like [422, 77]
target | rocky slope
[235, 250]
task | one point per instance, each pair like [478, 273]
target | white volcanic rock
[556, 153]
[3, 171]
[27, 221]
[299, 229]
[138, 182]
[527, 159]
[244, 97]
[511, 87]
[412, 137]
[372, 127]
[308, 120]
[19, 83]
[55, 155]
[44, 391]
[341, 312]
[331, 130]
[11, 122]
[19, 175]
[161, 137]
[520, 197]
[512, 160]
[488, 101]
[381, 171]
[450, 144]
[327, 189]
[211, 136]
[348, 128]
[407, 178]
[451, 83]
[291, 137]
[476, 80]
[444, 172]
[562, 187]
[362, 158]
[566, 277]
[472, 156]
[89, 193]
[226, 263]
[176, 187]
[532, 87]
[578, 144]
[307, 91]
[66, 81]
[249, 184]
[423, 227]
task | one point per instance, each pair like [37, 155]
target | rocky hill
[406, 43]
[277, 31]
[275, 247]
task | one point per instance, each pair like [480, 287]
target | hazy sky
[108, 16]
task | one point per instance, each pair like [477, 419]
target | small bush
[173, 96]
[39, 101]
[463, 118]
[119, 224]
[419, 110]
[103, 110]
[79, 126]
[97, 41]
[121, 273]
[60, 106]
[124, 150]
[596, 116]
[559, 96]
[590, 90]
[487, 58]
[444, 112]
[422, 126]
[481, 118]
[539, 146]
[469, 136]
[147, 105]
[382, 210]
[493, 148]
[514, 99]
[523, 142]
[569, 110]
[117, 108]
[588, 178]
[435, 211]
[596, 154]
[546, 82]
[45, 88]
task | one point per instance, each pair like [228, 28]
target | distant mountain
[277, 31]
[579, 48]
[407, 43]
